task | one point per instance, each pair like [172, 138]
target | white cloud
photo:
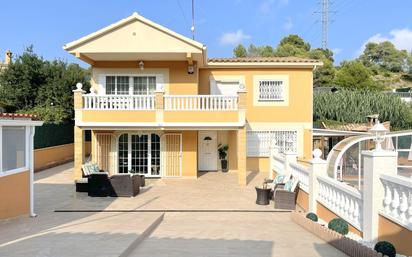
[266, 6]
[233, 38]
[336, 51]
[401, 38]
[288, 24]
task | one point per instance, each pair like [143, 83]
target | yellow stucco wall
[52, 156]
[232, 152]
[396, 234]
[118, 116]
[189, 153]
[203, 116]
[260, 164]
[14, 195]
[327, 215]
[300, 92]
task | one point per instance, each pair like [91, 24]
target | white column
[31, 163]
[289, 158]
[375, 163]
[273, 150]
[318, 168]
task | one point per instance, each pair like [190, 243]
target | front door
[207, 144]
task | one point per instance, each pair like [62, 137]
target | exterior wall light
[141, 65]
[379, 132]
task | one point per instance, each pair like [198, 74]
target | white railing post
[318, 167]
[273, 150]
[290, 157]
[375, 163]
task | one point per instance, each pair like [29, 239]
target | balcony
[160, 110]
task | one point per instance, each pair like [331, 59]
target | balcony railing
[119, 102]
[200, 103]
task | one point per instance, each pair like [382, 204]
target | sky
[220, 24]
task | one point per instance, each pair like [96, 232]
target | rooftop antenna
[193, 20]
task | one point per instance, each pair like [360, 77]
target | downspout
[31, 149]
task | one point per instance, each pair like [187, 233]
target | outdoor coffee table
[262, 196]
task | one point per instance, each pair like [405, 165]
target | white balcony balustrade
[118, 102]
[341, 199]
[397, 202]
[302, 174]
[200, 103]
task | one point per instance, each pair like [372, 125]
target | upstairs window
[117, 85]
[144, 85]
[126, 85]
[271, 90]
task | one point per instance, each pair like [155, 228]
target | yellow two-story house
[159, 107]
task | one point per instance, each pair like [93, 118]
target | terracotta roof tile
[13, 116]
[264, 59]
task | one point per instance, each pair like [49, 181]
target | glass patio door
[139, 153]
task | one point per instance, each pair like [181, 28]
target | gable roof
[134, 17]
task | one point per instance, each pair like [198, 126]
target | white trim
[14, 171]
[335, 132]
[160, 125]
[20, 122]
[160, 80]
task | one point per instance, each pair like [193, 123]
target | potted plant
[222, 149]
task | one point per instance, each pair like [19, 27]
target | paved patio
[179, 233]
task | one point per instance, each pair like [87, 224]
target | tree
[324, 75]
[240, 51]
[32, 85]
[21, 81]
[385, 56]
[354, 75]
[296, 41]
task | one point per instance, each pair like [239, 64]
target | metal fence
[55, 134]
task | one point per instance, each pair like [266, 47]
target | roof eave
[263, 64]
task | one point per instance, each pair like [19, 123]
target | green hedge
[55, 134]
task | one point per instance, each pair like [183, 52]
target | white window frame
[263, 147]
[26, 154]
[102, 81]
[284, 101]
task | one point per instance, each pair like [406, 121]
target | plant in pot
[222, 149]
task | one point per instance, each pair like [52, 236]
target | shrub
[386, 248]
[312, 216]
[339, 225]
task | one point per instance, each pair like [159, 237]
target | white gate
[171, 162]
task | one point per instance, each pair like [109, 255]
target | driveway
[210, 216]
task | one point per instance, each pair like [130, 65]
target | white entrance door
[207, 144]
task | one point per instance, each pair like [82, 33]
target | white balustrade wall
[118, 102]
[200, 103]
[278, 164]
[397, 202]
[342, 199]
[302, 174]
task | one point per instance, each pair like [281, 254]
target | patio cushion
[94, 167]
[87, 169]
[279, 179]
[291, 184]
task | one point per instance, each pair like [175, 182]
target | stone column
[375, 163]
[79, 149]
[241, 156]
[318, 167]
[242, 103]
[159, 103]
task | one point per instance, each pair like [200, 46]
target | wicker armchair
[285, 199]
[127, 185]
